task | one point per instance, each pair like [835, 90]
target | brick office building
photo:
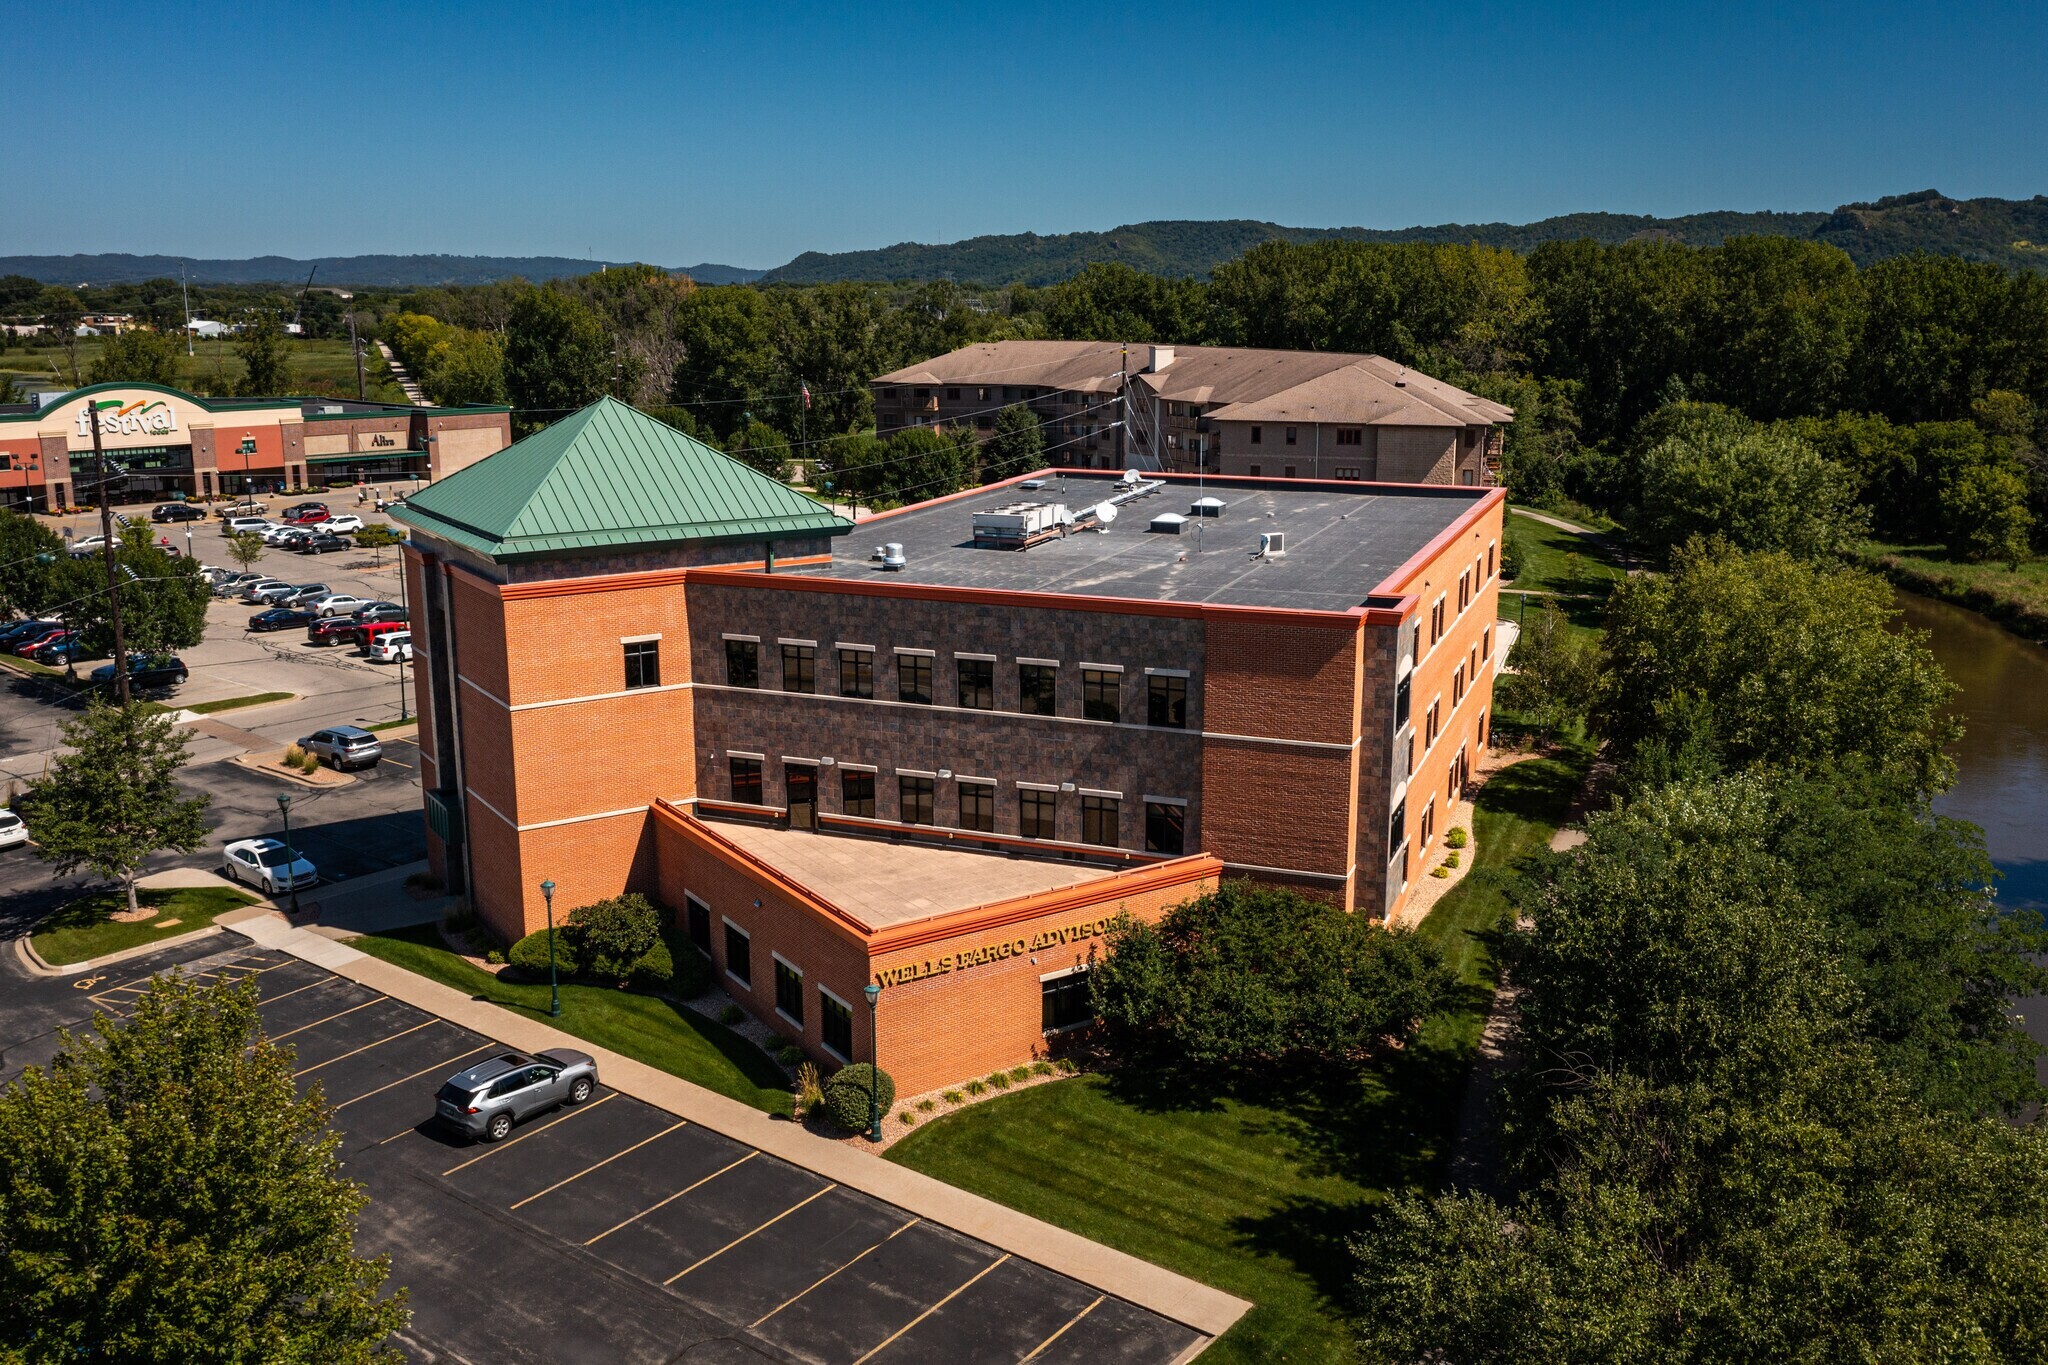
[648, 667]
[1213, 409]
[174, 443]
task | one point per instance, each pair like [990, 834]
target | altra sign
[128, 417]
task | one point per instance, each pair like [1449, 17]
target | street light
[547, 891]
[291, 859]
[874, 993]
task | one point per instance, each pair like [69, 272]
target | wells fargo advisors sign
[999, 951]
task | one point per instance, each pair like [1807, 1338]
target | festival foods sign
[995, 952]
[147, 417]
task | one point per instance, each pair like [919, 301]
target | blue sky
[745, 133]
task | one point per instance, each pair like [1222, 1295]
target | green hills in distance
[2007, 232]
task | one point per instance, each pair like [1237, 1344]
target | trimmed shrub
[731, 1016]
[906, 1118]
[954, 1097]
[614, 934]
[789, 1054]
[1457, 838]
[1066, 1066]
[530, 954]
[1020, 1073]
[653, 970]
[977, 1088]
[495, 957]
[1042, 1068]
[692, 970]
[926, 1106]
[1451, 859]
[1439, 872]
[847, 1098]
[999, 1079]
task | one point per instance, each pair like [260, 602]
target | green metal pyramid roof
[609, 477]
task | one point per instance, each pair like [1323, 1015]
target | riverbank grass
[661, 1033]
[2015, 598]
[1257, 1189]
[86, 928]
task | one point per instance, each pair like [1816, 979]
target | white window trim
[1091, 791]
[741, 753]
[1052, 787]
[1039, 663]
[916, 772]
[828, 995]
[1101, 668]
[981, 658]
[690, 896]
[743, 639]
[858, 768]
[852, 648]
[976, 781]
[1152, 800]
[1062, 972]
[800, 644]
[801, 761]
[640, 639]
[915, 653]
[1168, 673]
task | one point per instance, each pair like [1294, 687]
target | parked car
[391, 648]
[372, 613]
[332, 630]
[487, 1099]
[320, 543]
[344, 746]
[304, 595]
[277, 531]
[269, 590]
[146, 672]
[14, 634]
[336, 604]
[62, 649]
[13, 833]
[308, 506]
[231, 584]
[177, 511]
[307, 514]
[86, 545]
[28, 644]
[280, 618]
[369, 634]
[235, 526]
[266, 865]
[346, 524]
[246, 508]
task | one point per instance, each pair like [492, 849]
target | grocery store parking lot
[617, 1231]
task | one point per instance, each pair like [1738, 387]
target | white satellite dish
[1105, 513]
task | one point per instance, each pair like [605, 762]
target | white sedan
[265, 865]
[343, 525]
[336, 604]
[13, 833]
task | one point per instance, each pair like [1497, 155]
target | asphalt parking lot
[615, 1231]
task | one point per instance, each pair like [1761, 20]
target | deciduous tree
[558, 356]
[1016, 445]
[137, 356]
[266, 355]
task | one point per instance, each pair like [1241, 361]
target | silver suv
[344, 746]
[486, 1100]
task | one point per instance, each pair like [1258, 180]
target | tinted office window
[916, 795]
[1290, 435]
[1397, 826]
[1165, 827]
[739, 952]
[835, 1026]
[700, 924]
[978, 684]
[799, 668]
[856, 673]
[977, 806]
[1098, 820]
[914, 678]
[643, 664]
[857, 793]
[1258, 435]
[1036, 814]
[1166, 701]
[746, 780]
[1101, 694]
[1402, 698]
[742, 663]
[1066, 1001]
[1036, 689]
[789, 990]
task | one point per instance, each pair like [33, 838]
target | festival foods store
[162, 443]
[981, 958]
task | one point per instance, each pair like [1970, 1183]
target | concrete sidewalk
[1207, 1310]
[373, 903]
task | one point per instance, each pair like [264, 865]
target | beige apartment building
[1212, 409]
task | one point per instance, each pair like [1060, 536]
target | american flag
[807, 393]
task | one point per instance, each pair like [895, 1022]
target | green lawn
[320, 367]
[672, 1037]
[82, 930]
[2017, 599]
[1257, 1193]
[208, 708]
[1550, 560]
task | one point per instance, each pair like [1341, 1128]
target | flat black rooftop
[1343, 540]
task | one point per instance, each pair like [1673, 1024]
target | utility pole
[186, 292]
[355, 345]
[99, 459]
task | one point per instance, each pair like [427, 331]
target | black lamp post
[291, 859]
[874, 993]
[547, 891]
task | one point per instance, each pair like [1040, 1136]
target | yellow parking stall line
[408, 1132]
[933, 1309]
[416, 1075]
[309, 986]
[672, 1198]
[280, 1037]
[531, 1132]
[364, 1048]
[829, 1274]
[248, 972]
[705, 1260]
[684, 1123]
[1039, 1349]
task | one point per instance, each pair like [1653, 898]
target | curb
[266, 763]
[33, 960]
[1189, 1302]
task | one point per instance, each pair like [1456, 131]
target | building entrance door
[802, 780]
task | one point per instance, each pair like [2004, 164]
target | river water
[2002, 760]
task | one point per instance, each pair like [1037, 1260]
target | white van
[392, 647]
[236, 525]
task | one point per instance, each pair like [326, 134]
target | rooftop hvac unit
[1168, 523]
[1206, 507]
[1272, 545]
[892, 555]
[1017, 525]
